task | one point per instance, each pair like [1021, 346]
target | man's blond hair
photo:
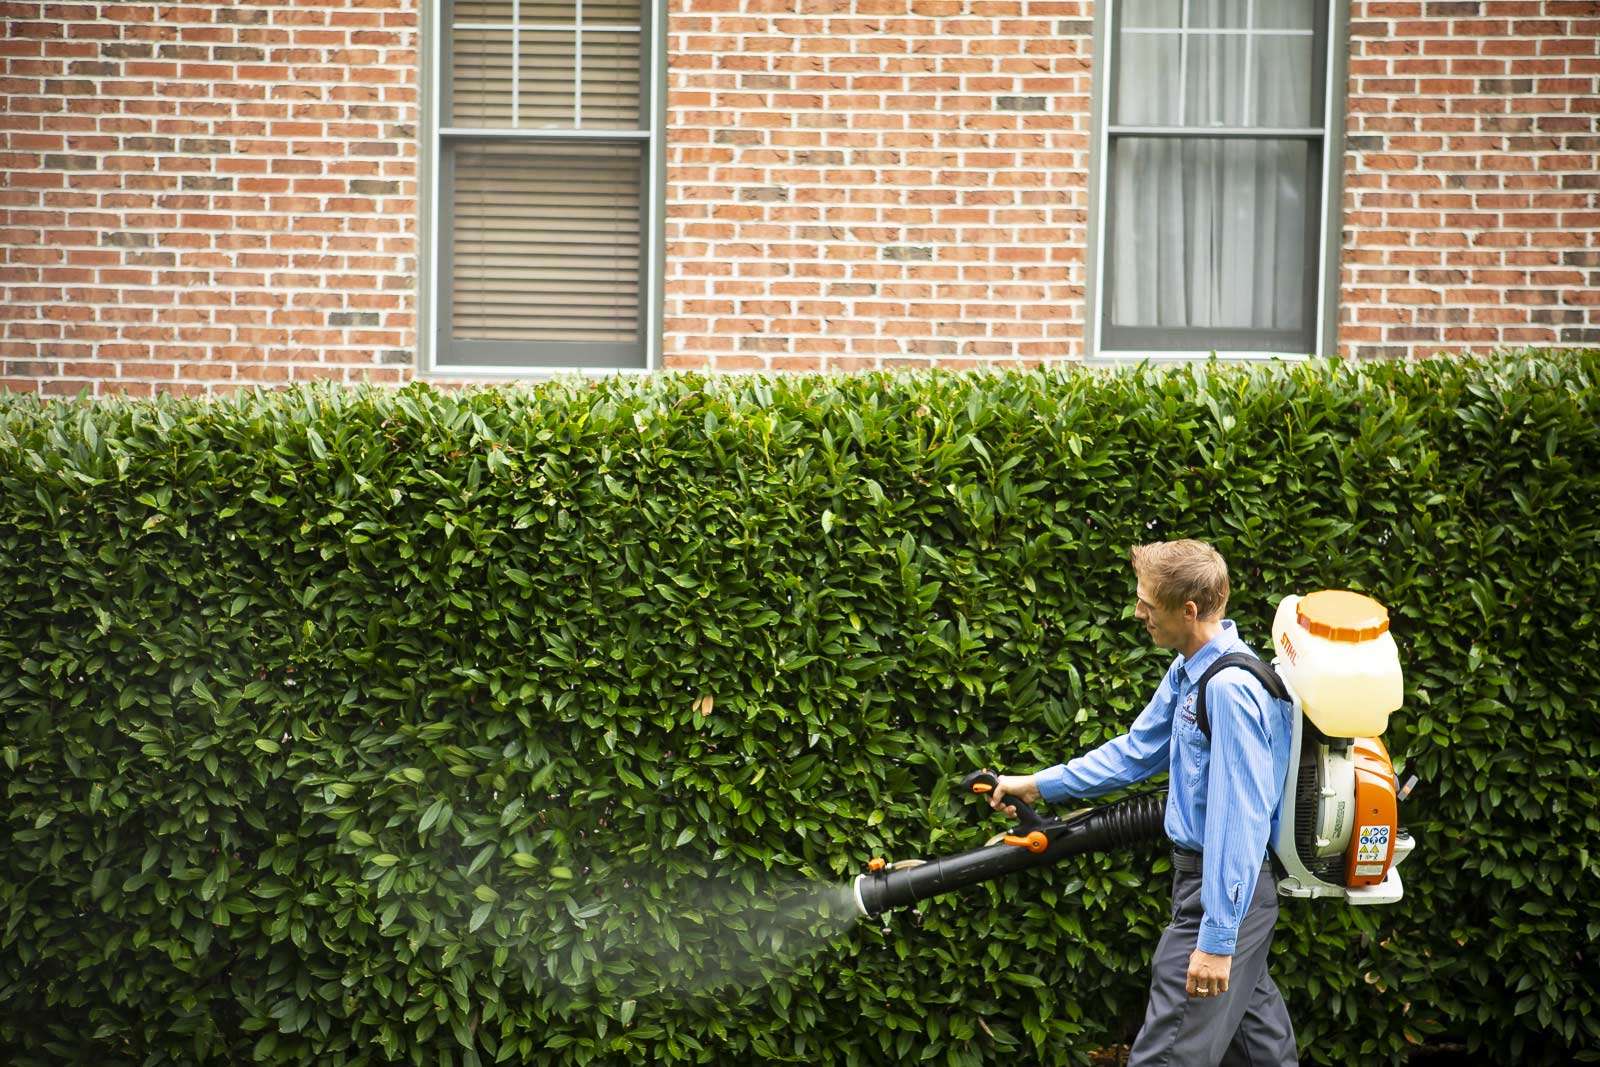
[1180, 571]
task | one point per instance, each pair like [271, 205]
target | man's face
[1167, 627]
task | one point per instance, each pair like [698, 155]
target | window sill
[519, 373]
[1119, 359]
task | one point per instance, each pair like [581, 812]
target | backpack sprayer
[1338, 834]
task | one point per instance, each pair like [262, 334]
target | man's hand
[1208, 974]
[1020, 786]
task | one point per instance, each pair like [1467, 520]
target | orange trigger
[1035, 841]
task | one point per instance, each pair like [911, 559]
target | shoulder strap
[1261, 670]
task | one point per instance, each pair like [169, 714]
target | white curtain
[1211, 233]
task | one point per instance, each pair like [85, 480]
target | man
[1211, 999]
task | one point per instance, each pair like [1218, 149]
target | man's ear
[1191, 611]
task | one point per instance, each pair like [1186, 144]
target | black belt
[1189, 861]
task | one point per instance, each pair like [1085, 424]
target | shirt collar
[1225, 641]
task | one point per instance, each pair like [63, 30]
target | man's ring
[1203, 988]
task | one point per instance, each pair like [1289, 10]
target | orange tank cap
[1340, 615]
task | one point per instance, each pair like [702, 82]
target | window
[1213, 160]
[543, 228]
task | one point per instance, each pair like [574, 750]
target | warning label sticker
[1373, 846]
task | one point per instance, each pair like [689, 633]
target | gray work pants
[1248, 1026]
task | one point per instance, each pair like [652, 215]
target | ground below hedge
[1427, 1056]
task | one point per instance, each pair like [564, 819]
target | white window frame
[1332, 182]
[431, 64]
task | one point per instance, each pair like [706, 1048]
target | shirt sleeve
[1124, 760]
[1241, 793]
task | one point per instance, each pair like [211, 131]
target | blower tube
[1128, 822]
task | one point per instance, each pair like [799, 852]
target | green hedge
[359, 727]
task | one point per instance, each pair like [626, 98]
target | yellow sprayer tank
[1335, 649]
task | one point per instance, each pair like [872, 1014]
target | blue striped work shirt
[1225, 808]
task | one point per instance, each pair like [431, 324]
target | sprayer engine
[1338, 829]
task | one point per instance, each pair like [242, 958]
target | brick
[126, 240]
[207, 183]
[1442, 315]
[29, 369]
[243, 15]
[67, 388]
[1554, 316]
[1504, 86]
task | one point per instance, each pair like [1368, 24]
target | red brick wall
[1472, 176]
[198, 197]
[877, 183]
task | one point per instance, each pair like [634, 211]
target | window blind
[545, 242]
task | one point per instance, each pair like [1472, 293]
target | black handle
[983, 782]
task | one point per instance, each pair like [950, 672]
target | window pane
[610, 79]
[546, 243]
[1147, 83]
[1219, 14]
[563, 12]
[480, 77]
[545, 92]
[1208, 233]
[1283, 92]
[481, 11]
[1283, 14]
[1151, 12]
[1214, 95]
[614, 11]
[549, 72]
[525, 12]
